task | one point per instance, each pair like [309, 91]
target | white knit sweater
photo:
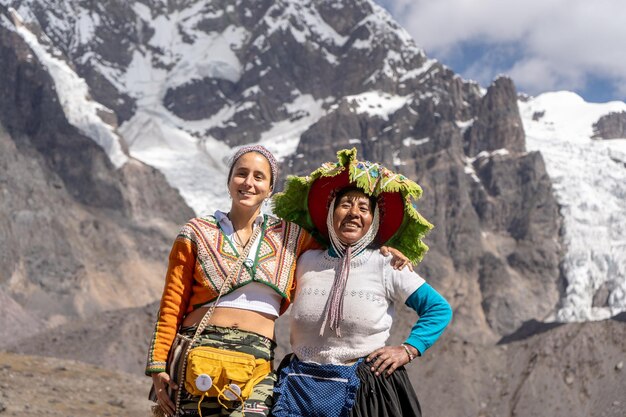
[372, 289]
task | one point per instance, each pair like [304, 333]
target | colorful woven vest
[274, 259]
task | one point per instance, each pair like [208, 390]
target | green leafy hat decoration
[306, 200]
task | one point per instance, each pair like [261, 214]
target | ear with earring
[266, 202]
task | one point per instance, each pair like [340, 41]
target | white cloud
[537, 74]
[621, 90]
[546, 44]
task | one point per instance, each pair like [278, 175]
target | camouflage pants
[260, 401]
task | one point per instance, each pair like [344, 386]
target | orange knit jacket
[201, 259]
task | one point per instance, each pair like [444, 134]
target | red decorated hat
[306, 201]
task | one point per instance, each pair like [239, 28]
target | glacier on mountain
[590, 186]
[73, 93]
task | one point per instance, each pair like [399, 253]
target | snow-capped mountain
[78, 227]
[116, 117]
[177, 85]
[189, 80]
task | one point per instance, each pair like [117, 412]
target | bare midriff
[236, 318]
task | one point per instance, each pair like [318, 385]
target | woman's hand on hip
[387, 359]
[161, 380]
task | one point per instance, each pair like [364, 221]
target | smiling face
[352, 216]
[250, 179]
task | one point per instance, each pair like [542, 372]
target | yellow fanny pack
[227, 375]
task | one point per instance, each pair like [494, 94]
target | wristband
[408, 352]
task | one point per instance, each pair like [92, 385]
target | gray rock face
[498, 124]
[76, 233]
[517, 213]
[561, 372]
[496, 220]
[16, 322]
[29, 111]
[611, 126]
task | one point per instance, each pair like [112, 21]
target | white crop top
[253, 296]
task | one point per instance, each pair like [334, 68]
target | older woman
[343, 308]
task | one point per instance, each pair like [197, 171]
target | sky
[543, 45]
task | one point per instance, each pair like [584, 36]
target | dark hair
[348, 189]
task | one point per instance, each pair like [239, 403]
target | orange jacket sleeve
[174, 302]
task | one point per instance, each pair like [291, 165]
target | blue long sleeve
[435, 314]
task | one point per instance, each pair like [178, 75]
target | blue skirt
[307, 389]
[310, 390]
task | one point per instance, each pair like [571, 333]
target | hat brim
[324, 189]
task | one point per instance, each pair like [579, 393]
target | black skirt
[385, 396]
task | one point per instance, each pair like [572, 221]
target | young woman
[205, 251]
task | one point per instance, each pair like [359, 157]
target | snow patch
[85, 26]
[210, 56]
[397, 161]
[193, 167]
[418, 72]
[73, 93]
[464, 125]
[282, 138]
[414, 142]
[376, 103]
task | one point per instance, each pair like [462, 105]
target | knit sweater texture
[372, 290]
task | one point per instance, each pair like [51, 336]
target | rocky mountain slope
[75, 232]
[611, 126]
[572, 370]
